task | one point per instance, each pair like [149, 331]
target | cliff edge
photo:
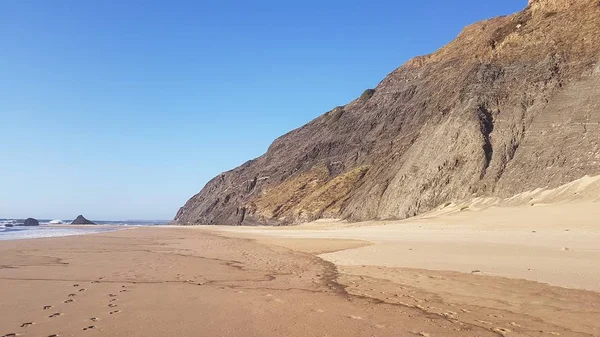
[512, 104]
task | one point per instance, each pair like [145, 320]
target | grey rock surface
[31, 222]
[81, 220]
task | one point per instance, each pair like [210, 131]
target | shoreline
[48, 231]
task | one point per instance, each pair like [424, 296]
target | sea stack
[81, 220]
[31, 222]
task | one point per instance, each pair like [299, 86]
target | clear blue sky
[125, 109]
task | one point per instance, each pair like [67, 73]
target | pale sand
[551, 244]
[519, 266]
[549, 236]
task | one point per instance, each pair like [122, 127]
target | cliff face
[512, 104]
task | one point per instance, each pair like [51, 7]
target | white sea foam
[18, 233]
[47, 230]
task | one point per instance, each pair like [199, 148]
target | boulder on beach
[31, 222]
[81, 220]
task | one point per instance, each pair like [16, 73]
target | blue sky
[125, 109]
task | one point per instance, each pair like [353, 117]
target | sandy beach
[446, 275]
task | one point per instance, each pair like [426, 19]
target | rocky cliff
[512, 104]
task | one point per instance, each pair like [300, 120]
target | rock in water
[512, 104]
[80, 220]
[31, 222]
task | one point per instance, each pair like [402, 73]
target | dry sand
[550, 236]
[482, 271]
[524, 266]
[551, 245]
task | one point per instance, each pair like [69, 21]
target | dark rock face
[80, 220]
[512, 104]
[31, 222]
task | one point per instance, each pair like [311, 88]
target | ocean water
[10, 229]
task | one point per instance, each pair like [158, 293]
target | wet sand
[193, 282]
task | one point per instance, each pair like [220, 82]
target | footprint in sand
[355, 317]
[112, 305]
[89, 328]
[46, 307]
[114, 312]
[72, 295]
[68, 301]
[54, 335]
[12, 334]
[76, 285]
[113, 299]
[82, 289]
[450, 314]
[112, 295]
[24, 325]
[56, 314]
[94, 319]
[501, 330]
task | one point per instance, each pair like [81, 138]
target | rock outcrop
[512, 104]
[80, 220]
[31, 222]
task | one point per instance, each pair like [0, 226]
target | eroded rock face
[551, 5]
[512, 104]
